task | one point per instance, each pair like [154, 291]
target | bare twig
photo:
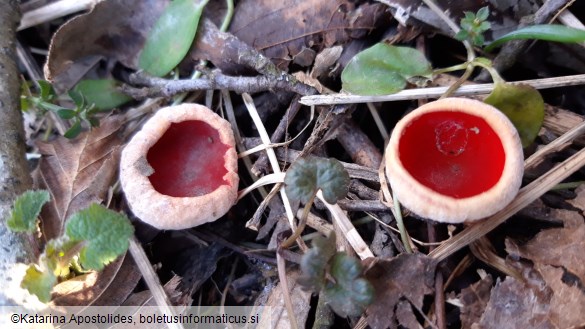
[158, 87]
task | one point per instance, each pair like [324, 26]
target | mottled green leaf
[105, 232]
[547, 32]
[103, 93]
[384, 69]
[39, 282]
[46, 90]
[349, 294]
[171, 37]
[315, 260]
[26, 210]
[523, 105]
[306, 176]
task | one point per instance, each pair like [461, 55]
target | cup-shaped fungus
[455, 160]
[180, 169]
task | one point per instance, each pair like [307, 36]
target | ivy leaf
[523, 105]
[171, 37]
[105, 233]
[349, 294]
[103, 93]
[306, 176]
[26, 210]
[315, 260]
[39, 282]
[384, 69]
[547, 32]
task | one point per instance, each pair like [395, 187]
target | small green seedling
[473, 26]
[93, 238]
[305, 178]
[337, 276]
[84, 111]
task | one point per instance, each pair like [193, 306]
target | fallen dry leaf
[115, 29]
[475, 299]
[568, 301]
[77, 173]
[409, 276]
[560, 247]
[278, 316]
[514, 304]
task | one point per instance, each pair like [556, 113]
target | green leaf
[483, 13]
[26, 209]
[39, 282]
[171, 37]
[315, 261]
[102, 93]
[77, 98]
[50, 106]
[105, 232]
[66, 114]
[349, 294]
[383, 69]
[306, 176]
[523, 105]
[46, 90]
[547, 32]
[74, 130]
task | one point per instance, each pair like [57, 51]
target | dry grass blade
[526, 196]
[435, 92]
[555, 145]
[77, 172]
[349, 231]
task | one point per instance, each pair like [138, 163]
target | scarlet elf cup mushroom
[180, 169]
[455, 160]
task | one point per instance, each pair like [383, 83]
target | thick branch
[14, 175]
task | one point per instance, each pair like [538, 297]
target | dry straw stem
[351, 234]
[526, 196]
[435, 92]
[152, 281]
[53, 11]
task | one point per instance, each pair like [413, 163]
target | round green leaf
[102, 93]
[315, 261]
[39, 282]
[171, 37]
[383, 69]
[105, 232]
[306, 176]
[350, 294]
[523, 105]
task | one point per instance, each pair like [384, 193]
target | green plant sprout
[337, 277]
[93, 237]
[84, 111]
[473, 26]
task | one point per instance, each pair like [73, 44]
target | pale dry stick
[567, 18]
[526, 196]
[53, 11]
[351, 234]
[378, 121]
[281, 265]
[435, 92]
[264, 180]
[249, 102]
[229, 111]
[152, 281]
[555, 145]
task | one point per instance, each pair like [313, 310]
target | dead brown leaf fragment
[116, 29]
[405, 278]
[559, 247]
[77, 173]
[475, 299]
